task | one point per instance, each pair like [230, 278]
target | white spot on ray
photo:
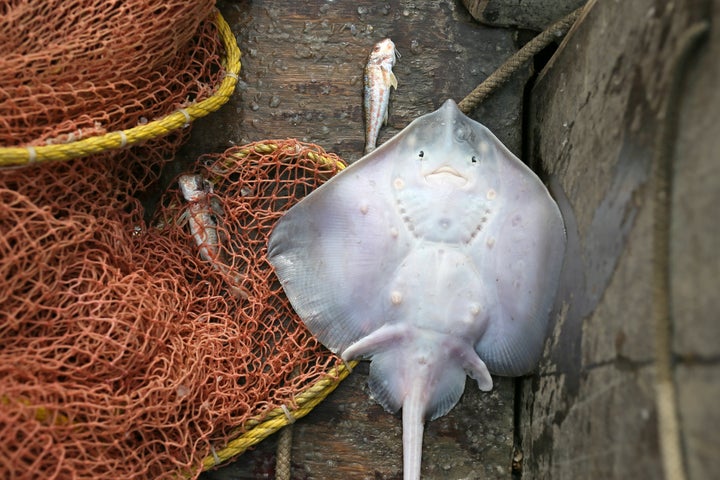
[396, 297]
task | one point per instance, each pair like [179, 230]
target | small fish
[378, 80]
[202, 214]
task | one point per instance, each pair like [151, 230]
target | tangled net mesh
[124, 353]
[72, 69]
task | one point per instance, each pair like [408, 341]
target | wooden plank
[351, 436]
[595, 116]
[694, 261]
[302, 69]
[530, 14]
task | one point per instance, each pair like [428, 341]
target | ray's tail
[413, 418]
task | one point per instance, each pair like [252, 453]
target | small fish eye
[421, 154]
[473, 159]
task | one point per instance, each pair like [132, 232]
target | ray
[436, 256]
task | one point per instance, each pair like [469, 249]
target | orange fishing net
[124, 353]
[72, 69]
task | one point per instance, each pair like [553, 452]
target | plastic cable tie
[291, 418]
[216, 458]
[188, 118]
[232, 75]
[123, 139]
[32, 154]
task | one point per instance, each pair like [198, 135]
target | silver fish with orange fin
[203, 214]
[378, 80]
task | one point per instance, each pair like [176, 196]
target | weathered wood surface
[695, 264]
[595, 117]
[349, 436]
[302, 69]
[301, 77]
[530, 14]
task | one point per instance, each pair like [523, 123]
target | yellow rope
[270, 147]
[260, 428]
[13, 156]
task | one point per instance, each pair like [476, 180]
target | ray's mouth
[446, 176]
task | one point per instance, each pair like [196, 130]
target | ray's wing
[524, 264]
[335, 251]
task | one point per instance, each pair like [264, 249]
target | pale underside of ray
[435, 256]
